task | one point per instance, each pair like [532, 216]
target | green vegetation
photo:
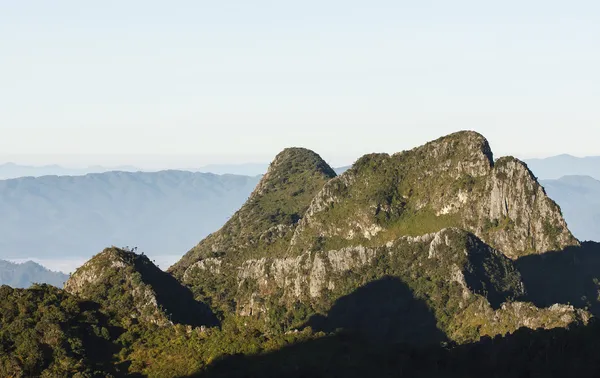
[265, 224]
[49, 333]
[179, 351]
[443, 184]
[46, 332]
[131, 288]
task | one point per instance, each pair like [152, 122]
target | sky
[198, 82]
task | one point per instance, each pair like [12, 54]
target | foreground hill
[130, 287]
[74, 217]
[25, 274]
[45, 330]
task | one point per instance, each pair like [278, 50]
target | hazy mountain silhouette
[161, 213]
[565, 165]
[12, 170]
[579, 199]
[25, 274]
[248, 169]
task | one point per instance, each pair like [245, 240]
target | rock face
[451, 182]
[131, 287]
[465, 282]
[443, 218]
[525, 221]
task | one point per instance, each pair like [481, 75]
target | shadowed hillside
[382, 311]
[130, 287]
[570, 276]
[526, 353]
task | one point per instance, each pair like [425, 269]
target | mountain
[249, 169]
[130, 287]
[438, 261]
[579, 199]
[434, 217]
[25, 274]
[565, 165]
[280, 199]
[12, 170]
[72, 217]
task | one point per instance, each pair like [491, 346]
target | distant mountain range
[25, 274]
[547, 168]
[62, 221]
[250, 169]
[579, 199]
[12, 170]
[73, 217]
[565, 165]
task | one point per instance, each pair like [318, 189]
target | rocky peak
[450, 182]
[265, 224]
[289, 163]
[517, 215]
[444, 218]
[460, 153]
[131, 287]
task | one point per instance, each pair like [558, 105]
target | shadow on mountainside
[382, 311]
[570, 276]
[491, 274]
[176, 299]
[526, 353]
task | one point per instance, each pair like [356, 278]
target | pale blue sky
[233, 81]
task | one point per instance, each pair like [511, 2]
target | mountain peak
[449, 182]
[307, 236]
[467, 146]
[268, 219]
[292, 162]
[131, 287]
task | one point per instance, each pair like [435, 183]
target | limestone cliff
[469, 286]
